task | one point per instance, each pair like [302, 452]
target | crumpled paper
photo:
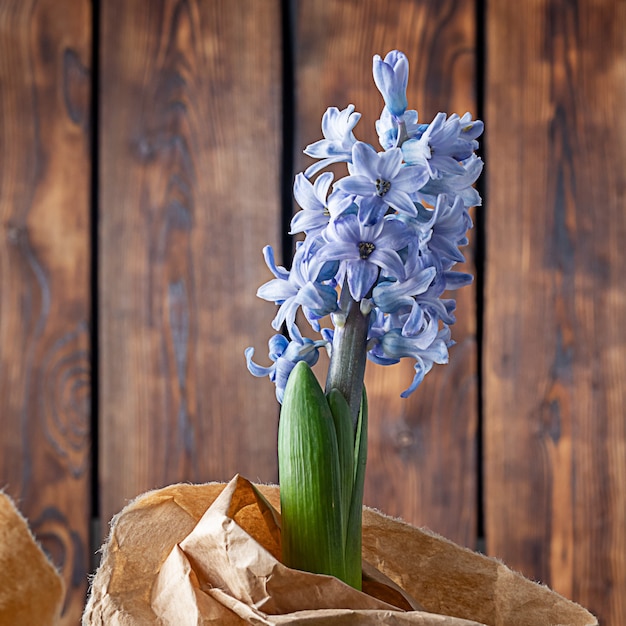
[209, 554]
[31, 590]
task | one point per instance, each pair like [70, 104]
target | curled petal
[456, 280]
[277, 345]
[277, 270]
[254, 368]
[284, 354]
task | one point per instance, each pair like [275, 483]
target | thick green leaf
[310, 493]
[345, 446]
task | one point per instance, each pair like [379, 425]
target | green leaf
[342, 418]
[355, 518]
[310, 492]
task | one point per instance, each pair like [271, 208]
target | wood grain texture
[422, 451]
[555, 350]
[45, 48]
[190, 147]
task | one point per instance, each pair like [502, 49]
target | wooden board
[555, 350]
[190, 147]
[422, 451]
[45, 49]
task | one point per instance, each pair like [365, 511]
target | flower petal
[308, 222]
[388, 260]
[400, 201]
[365, 160]
[254, 368]
[361, 276]
[276, 290]
[391, 77]
[389, 164]
[371, 210]
[356, 184]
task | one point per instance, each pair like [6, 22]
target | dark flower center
[366, 248]
[382, 187]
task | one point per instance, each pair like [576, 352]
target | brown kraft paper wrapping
[31, 590]
[188, 555]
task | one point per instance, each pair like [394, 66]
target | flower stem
[348, 357]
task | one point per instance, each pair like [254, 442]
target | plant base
[191, 554]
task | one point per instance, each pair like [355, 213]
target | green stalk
[347, 363]
[345, 379]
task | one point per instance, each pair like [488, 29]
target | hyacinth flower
[391, 76]
[377, 261]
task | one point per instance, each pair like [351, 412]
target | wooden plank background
[189, 194]
[45, 170]
[555, 349]
[176, 141]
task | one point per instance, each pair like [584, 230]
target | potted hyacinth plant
[377, 258]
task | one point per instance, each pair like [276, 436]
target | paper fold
[202, 554]
[31, 590]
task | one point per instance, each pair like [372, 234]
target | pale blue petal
[276, 290]
[411, 178]
[323, 148]
[421, 369]
[371, 210]
[346, 229]
[356, 184]
[277, 345]
[390, 299]
[414, 322]
[310, 297]
[320, 165]
[305, 193]
[395, 234]
[308, 222]
[400, 201]
[365, 160]
[339, 251]
[322, 185]
[361, 276]
[389, 164]
[416, 151]
[254, 368]
[286, 314]
[277, 270]
[389, 261]
[391, 76]
[447, 164]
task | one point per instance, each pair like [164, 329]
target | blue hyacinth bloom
[382, 240]
[393, 346]
[381, 180]
[363, 250]
[391, 76]
[336, 147]
[284, 354]
[298, 288]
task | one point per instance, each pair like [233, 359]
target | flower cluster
[386, 236]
